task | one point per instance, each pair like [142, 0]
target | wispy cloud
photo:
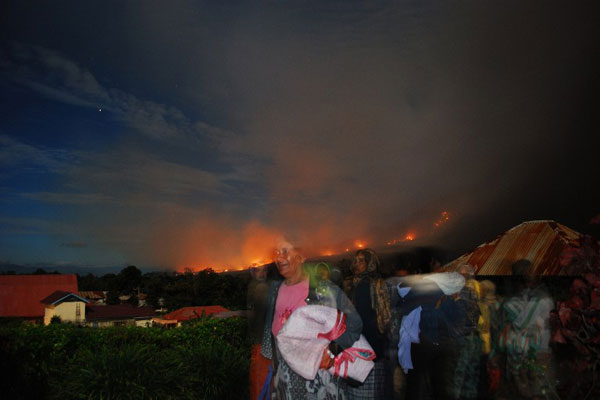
[18, 154]
[52, 75]
[91, 178]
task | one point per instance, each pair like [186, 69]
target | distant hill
[65, 269]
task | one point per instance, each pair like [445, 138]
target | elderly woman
[370, 296]
[297, 290]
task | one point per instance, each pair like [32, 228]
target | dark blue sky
[193, 134]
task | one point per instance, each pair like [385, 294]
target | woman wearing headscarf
[370, 296]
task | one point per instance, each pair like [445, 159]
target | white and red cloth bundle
[307, 333]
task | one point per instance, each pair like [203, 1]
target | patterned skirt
[288, 385]
[373, 387]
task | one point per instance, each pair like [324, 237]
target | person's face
[288, 262]
[465, 272]
[323, 273]
[261, 273]
[359, 264]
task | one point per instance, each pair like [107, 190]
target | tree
[129, 278]
[112, 297]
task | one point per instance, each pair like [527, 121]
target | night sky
[191, 134]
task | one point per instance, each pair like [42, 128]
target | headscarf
[380, 298]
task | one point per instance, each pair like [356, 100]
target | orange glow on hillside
[408, 237]
[221, 245]
[445, 217]
[359, 244]
[205, 245]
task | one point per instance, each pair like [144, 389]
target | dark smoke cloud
[326, 123]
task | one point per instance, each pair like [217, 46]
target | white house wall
[67, 311]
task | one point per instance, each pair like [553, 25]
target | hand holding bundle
[306, 336]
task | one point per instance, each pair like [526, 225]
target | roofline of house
[67, 295]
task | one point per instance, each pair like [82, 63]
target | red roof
[21, 295]
[541, 242]
[117, 311]
[186, 313]
[60, 295]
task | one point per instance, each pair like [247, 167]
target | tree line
[170, 289]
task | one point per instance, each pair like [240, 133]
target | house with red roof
[177, 317]
[119, 315]
[68, 306]
[21, 295]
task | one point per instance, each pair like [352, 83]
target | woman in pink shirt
[297, 290]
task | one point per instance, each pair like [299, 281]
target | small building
[69, 307]
[119, 315]
[142, 299]
[177, 317]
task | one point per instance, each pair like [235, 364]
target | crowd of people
[435, 335]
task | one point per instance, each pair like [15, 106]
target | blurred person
[489, 329]
[297, 289]
[396, 373]
[526, 336]
[370, 296]
[256, 305]
[428, 333]
[323, 271]
[466, 374]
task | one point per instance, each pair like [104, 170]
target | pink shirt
[288, 299]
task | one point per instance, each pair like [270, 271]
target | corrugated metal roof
[540, 242]
[21, 295]
[92, 294]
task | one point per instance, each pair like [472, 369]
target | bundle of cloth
[307, 333]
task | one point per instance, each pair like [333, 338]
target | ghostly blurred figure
[370, 295]
[526, 336]
[427, 333]
[323, 271]
[256, 304]
[466, 374]
[489, 329]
